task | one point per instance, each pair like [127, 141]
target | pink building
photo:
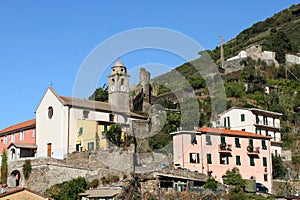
[213, 151]
[19, 140]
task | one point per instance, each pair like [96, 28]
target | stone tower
[118, 86]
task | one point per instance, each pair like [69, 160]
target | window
[242, 117]
[50, 112]
[105, 127]
[224, 160]
[194, 158]
[238, 160]
[257, 119]
[265, 164]
[223, 140]
[13, 137]
[263, 144]
[5, 139]
[85, 114]
[228, 122]
[265, 177]
[265, 118]
[243, 129]
[111, 117]
[251, 142]
[225, 122]
[193, 139]
[80, 131]
[267, 133]
[208, 140]
[252, 163]
[237, 143]
[21, 135]
[90, 146]
[209, 161]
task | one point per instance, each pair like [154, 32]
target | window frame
[243, 118]
[197, 161]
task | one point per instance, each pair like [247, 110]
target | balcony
[253, 151]
[225, 148]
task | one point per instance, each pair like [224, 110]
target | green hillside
[279, 33]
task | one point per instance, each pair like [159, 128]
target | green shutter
[224, 122]
[237, 142]
[227, 160]
[263, 144]
[251, 142]
[191, 157]
[209, 158]
[220, 159]
[265, 161]
[242, 117]
[223, 140]
[105, 127]
[238, 160]
[252, 161]
[198, 159]
[228, 119]
[193, 138]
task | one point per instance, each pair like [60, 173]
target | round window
[50, 112]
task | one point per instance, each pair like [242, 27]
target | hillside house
[19, 140]
[213, 151]
[253, 120]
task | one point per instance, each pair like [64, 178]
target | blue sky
[47, 41]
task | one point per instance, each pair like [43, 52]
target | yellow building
[91, 136]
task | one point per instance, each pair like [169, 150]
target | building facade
[213, 151]
[19, 140]
[253, 120]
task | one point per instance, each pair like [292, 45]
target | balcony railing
[253, 150]
[225, 148]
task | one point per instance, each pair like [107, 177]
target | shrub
[27, 169]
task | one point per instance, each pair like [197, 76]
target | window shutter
[223, 140]
[238, 160]
[265, 162]
[209, 158]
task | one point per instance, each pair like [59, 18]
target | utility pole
[222, 51]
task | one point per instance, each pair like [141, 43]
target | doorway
[49, 149]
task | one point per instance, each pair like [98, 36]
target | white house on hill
[253, 120]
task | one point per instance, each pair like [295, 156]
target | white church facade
[59, 118]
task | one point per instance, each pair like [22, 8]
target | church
[66, 124]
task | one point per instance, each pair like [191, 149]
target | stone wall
[91, 165]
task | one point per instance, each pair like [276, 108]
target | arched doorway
[14, 179]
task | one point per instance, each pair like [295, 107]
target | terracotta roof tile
[232, 132]
[18, 126]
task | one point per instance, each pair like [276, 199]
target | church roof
[119, 63]
[91, 104]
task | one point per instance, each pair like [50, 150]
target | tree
[68, 190]
[279, 170]
[211, 183]
[233, 177]
[4, 168]
[27, 169]
[100, 94]
[114, 134]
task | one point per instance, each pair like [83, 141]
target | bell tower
[118, 86]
